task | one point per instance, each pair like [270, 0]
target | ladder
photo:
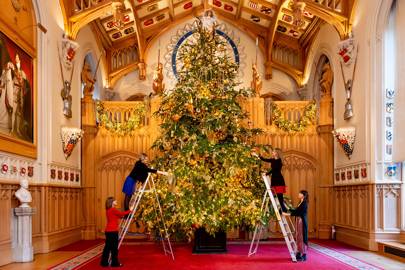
[135, 201]
[281, 219]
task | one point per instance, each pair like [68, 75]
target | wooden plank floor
[43, 261]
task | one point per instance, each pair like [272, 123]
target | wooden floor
[44, 261]
[376, 259]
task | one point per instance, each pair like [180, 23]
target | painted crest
[68, 52]
[347, 51]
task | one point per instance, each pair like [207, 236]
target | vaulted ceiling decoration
[285, 28]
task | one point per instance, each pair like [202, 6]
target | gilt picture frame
[17, 96]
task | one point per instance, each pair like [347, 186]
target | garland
[289, 126]
[120, 128]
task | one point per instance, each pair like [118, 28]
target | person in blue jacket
[138, 173]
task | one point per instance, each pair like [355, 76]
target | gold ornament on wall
[158, 85]
[256, 83]
[256, 80]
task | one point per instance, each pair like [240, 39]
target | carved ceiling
[285, 28]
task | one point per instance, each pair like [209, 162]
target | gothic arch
[322, 60]
[293, 159]
[120, 160]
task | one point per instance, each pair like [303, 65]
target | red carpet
[270, 256]
[81, 245]
[339, 246]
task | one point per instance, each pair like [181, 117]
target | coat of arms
[347, 51]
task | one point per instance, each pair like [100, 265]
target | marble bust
[23, 195]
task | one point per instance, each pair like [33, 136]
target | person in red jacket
[111, 233]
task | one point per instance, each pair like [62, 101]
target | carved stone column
[88, 168]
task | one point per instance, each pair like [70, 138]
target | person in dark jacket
[277, 179]
[138, 173]
[111, 233]
[301, 225]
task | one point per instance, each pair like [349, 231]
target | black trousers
[111, 247]
[126, 202]
[280, 198]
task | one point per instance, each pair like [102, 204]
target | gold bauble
[190, 107]
[176, 117]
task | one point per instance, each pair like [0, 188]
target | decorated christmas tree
[206, 143]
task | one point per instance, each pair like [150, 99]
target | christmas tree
[206, 143]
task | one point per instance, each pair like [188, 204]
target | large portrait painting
[16, 92]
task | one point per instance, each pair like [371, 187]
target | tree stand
[206, 243]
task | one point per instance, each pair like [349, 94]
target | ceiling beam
[270, 37]
[206, 5]
[144, 4]
[257, 13]
[339, 20]
[101, 34]
[155, 13]
[296, 74]
[258, 29]
[66, 7]
[114, 76]
[310, 32]
[171, 10]
[239, 9]
[80, 20]
[139, 34]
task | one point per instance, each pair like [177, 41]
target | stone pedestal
[22, 242]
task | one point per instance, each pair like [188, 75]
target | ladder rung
[144, 191]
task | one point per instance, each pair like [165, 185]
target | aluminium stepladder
[135, 201]
[281, 219]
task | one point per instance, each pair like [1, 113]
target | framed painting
[17, 99]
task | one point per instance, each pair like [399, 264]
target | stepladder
[287, 229]
[147, 187]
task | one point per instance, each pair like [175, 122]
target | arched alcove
[94, 66]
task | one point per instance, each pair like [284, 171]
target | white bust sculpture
[23, 195]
